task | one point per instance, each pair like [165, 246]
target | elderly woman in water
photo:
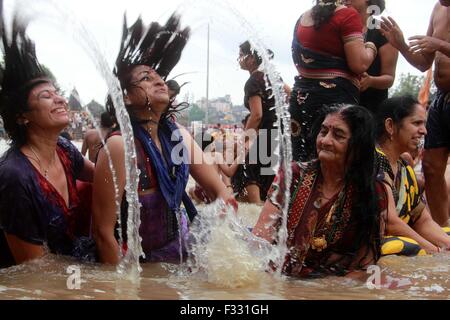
[145, 59]
[334, 221]
[40, 206]
[400, 127]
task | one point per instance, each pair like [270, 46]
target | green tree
[196, 114]
[408, 84]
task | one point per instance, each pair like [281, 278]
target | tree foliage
[408, 84]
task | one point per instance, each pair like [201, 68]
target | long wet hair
[322, 12]
[360, 173]
[247, 49]
[157, 46]
[397, 109]
[20, 72]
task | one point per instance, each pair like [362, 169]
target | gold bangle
[372, 46]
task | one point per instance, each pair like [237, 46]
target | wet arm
[203, 172]
[422, 61]
[23, 251]
[359, 58]
[266, 226]
[397, 227]
[84, 147]
[104, 207]
[431, 231]
[256, 113]
[87, 174]
[389, 56]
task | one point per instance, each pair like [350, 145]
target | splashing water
[130, 263]
[224, 251]
[284, 146]
[51, 12]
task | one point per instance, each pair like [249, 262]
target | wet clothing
[261, 158]
[324, 76]
[31, 208]
[438, 123]
[322, 239]
[344, 26]
[372, 98]
[165, 178]
[404, 186]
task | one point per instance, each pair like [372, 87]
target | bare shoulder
[90, 133]
[115, 145]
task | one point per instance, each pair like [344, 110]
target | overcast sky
[231, 22]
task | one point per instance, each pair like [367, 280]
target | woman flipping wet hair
[334, 218]
[39, 202]
[146, 57]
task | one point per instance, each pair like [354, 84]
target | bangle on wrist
[372, 46]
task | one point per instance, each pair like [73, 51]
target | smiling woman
[39, 201]
[400, 127]
[146, 57]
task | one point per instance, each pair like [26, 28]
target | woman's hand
[365, 82]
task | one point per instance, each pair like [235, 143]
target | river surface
[51, 277]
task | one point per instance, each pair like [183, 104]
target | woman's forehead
[43, 86]
[142, 69]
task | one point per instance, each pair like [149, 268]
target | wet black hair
[20, 72]
[174, 86]
[246, 48]
[397, 108]
[105, 120]
[157, 46]
[322, 12]
[360, 172]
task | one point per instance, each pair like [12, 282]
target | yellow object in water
[447, 230]
[401, 246]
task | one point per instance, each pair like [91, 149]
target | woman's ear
[126, 98]
[389, 126]
[21, 120]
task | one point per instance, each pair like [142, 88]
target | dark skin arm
[421, 60]
[23, 251]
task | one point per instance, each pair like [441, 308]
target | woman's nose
[423, 130]
[60, 100]
[326, 140]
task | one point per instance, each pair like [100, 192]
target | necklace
[39, 162]
[146, 121]
[319, 202]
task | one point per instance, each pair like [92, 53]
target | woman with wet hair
[330, 55]
[146, 57]
[380, 76]
[400, 128]
[41, 209]
[253, 179]
[336, 209]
